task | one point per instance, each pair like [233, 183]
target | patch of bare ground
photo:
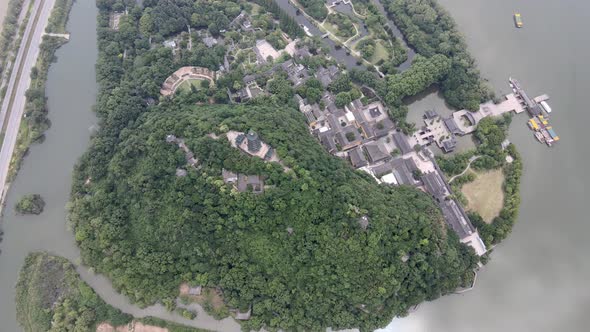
[211, 299]
[131, 327]
[485, 194]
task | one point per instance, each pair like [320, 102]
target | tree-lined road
[14, 103]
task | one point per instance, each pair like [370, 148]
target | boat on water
[518, 20]
[545, 106]
[539, 111]
[306, 30]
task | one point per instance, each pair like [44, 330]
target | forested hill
[149, 230]
[295, 254]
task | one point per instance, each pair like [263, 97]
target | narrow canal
[47, 170]
[340, 54]
[398, 34]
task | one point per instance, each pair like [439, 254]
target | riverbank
[3, 11]
[36, 122]
[51, 295]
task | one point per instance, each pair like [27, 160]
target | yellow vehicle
[518, 20]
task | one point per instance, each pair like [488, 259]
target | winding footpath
[471, 160]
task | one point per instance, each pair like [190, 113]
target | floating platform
[539, 110]
[518, 20]
[541, 98]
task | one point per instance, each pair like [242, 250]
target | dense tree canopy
[423, 73]
[430, 30]
[296, 253]
[150, 230]
[315, 8]
[30, 204]
[51, 297]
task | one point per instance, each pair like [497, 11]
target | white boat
[545, 106]
[306, 30]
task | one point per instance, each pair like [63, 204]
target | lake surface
[537, 278]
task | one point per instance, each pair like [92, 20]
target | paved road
[19, 85]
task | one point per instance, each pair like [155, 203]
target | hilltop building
[252, 145]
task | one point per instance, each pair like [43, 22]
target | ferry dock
[465, 122]
[539, 111]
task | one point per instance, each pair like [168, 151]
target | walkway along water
[47, 170]
[398, 34]
[341, 54]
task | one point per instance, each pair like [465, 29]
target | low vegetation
[315, 8]
[484, 194]
[341, 25]
[211, 300]
[490, 134]
[30, 204]
[172, 327]
[51, 297]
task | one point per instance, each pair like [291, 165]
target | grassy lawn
[338, 25]
[333, 28]
[186, 85]
[485, 195]
[380, 52]
[255, 9]
[354, 44]
[211, 299]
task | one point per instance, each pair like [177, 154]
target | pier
[516, 102]
[443, 130]
[467, 121]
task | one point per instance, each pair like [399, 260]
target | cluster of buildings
[183, 74]
[252, 145]
[265, 52]
[366, 136]
[242, 22]
[190, 157]
[357, 131]
[296, 72]
[242, 182]
[439, 130]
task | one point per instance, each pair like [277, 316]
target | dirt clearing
[485, 195]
